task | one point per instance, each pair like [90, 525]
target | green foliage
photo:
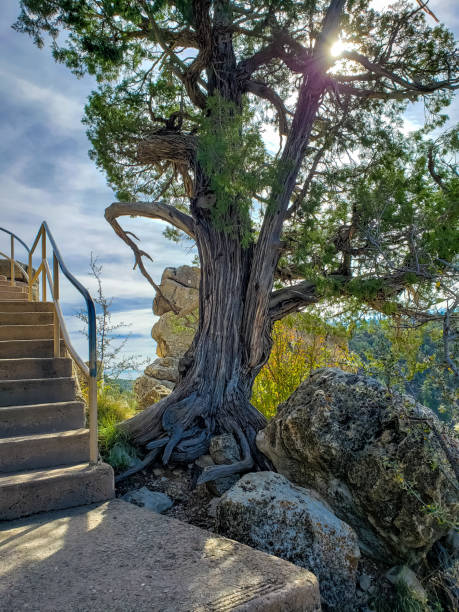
[410, 360]
[232, 155]
[115, 406]
[403, 599]
[301, 344]
[381, 212]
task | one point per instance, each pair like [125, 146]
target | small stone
[204, 461]
[224, 449]
[221, 485]
[451, 542]
[212, 507]
[158, 472]
[365, 582]
[152, 500]
[402, 574]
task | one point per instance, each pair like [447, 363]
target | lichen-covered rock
[180, 287]
[266, 511]
[179, 291]
[148, 391]
[165, 368]
[173, 334]
[373, 456]
[224, 449]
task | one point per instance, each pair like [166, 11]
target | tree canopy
[362, 189]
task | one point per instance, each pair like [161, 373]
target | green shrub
[404, 599]
[114, 406]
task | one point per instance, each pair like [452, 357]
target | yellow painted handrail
[90, 373]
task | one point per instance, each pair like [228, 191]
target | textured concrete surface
[25, 493]
[120, 558]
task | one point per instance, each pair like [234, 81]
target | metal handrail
[59, 322]
[11, 257]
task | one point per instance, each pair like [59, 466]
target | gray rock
[152, 500]
[221, 485]
[212, 507]
[180, 287]
[347, 437]
[165, 368]
[173, 334]
[365, 582]
[451, 542]
[204, 461]
[224, 449]
[148, 391]
[267, 512]
[404, 575]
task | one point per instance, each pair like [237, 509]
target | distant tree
[112, 361]
[410, 359]
[347, 209]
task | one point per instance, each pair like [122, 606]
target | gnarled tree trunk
[217, 373]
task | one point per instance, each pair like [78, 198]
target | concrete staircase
[44, 445]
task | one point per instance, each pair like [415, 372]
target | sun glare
[337, 48]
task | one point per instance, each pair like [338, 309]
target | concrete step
[20, 306]
[18, 369]
[132, 559]
[44, 450]
[13, 349]
[26, 332]
[10, 296]
[41, 418]
[17, 288]
[25, 318]
[34, 491]
[7, 283]
[36, 391]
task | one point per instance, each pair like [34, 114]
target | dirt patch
[191, 502]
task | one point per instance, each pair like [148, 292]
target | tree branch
[291, 299]
[152, 210]
[409, 86]
[263, 91]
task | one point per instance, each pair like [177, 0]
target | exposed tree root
[138, 466]
[184, 427]
[219, 471]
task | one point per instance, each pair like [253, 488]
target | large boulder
[165, 368]
[148, 391]
[267, 512]
[180, 287]
[173, 334]
[373, 455]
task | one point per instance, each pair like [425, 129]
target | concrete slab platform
[116, 557]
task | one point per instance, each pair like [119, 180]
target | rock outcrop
[177, 306]
[374, 456]
[267, 512]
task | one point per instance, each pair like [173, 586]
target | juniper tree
[347, 208]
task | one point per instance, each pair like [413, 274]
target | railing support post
[12, 261]
[43, 258]
[30, 278]
[57, 328]
[93, 429]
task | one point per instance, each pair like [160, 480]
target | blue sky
[45, 173]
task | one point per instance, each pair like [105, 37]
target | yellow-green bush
[301, 344]
[114, 406]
